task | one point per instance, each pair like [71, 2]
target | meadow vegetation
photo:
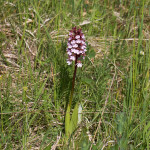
[113, 85]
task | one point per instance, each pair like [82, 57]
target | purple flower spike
[76, 47]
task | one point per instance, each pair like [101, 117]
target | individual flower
[69, 62]
[69, 53]
[77, 37]
[78, 41]
[72, 58]
[79, 64]
[76, 47]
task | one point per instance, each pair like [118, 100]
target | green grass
[113, 85]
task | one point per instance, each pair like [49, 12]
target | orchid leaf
[67, 122]
[74, 119]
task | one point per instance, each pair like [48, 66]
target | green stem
[73, 82]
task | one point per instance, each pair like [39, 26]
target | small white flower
[72, 50]
[83, 43]
[69, 53]
[69, 38]
[70, 33]
[77, 37]
[73, 42]
[72, 58]
[78, 41]
[75, 45]
[83, 47]
[69, 62]
[76, 51]
[83, 37]
[69, 46]
[82, 52]
[79, 64]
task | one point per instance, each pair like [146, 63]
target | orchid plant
[76, 48]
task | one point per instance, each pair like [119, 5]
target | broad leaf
[67, 122]
[74, 119]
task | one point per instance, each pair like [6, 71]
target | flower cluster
[76, 47]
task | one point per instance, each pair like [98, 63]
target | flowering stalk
[76, 47]
[76, 51]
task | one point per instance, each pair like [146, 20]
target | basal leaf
[67, 122]
[74, 119]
